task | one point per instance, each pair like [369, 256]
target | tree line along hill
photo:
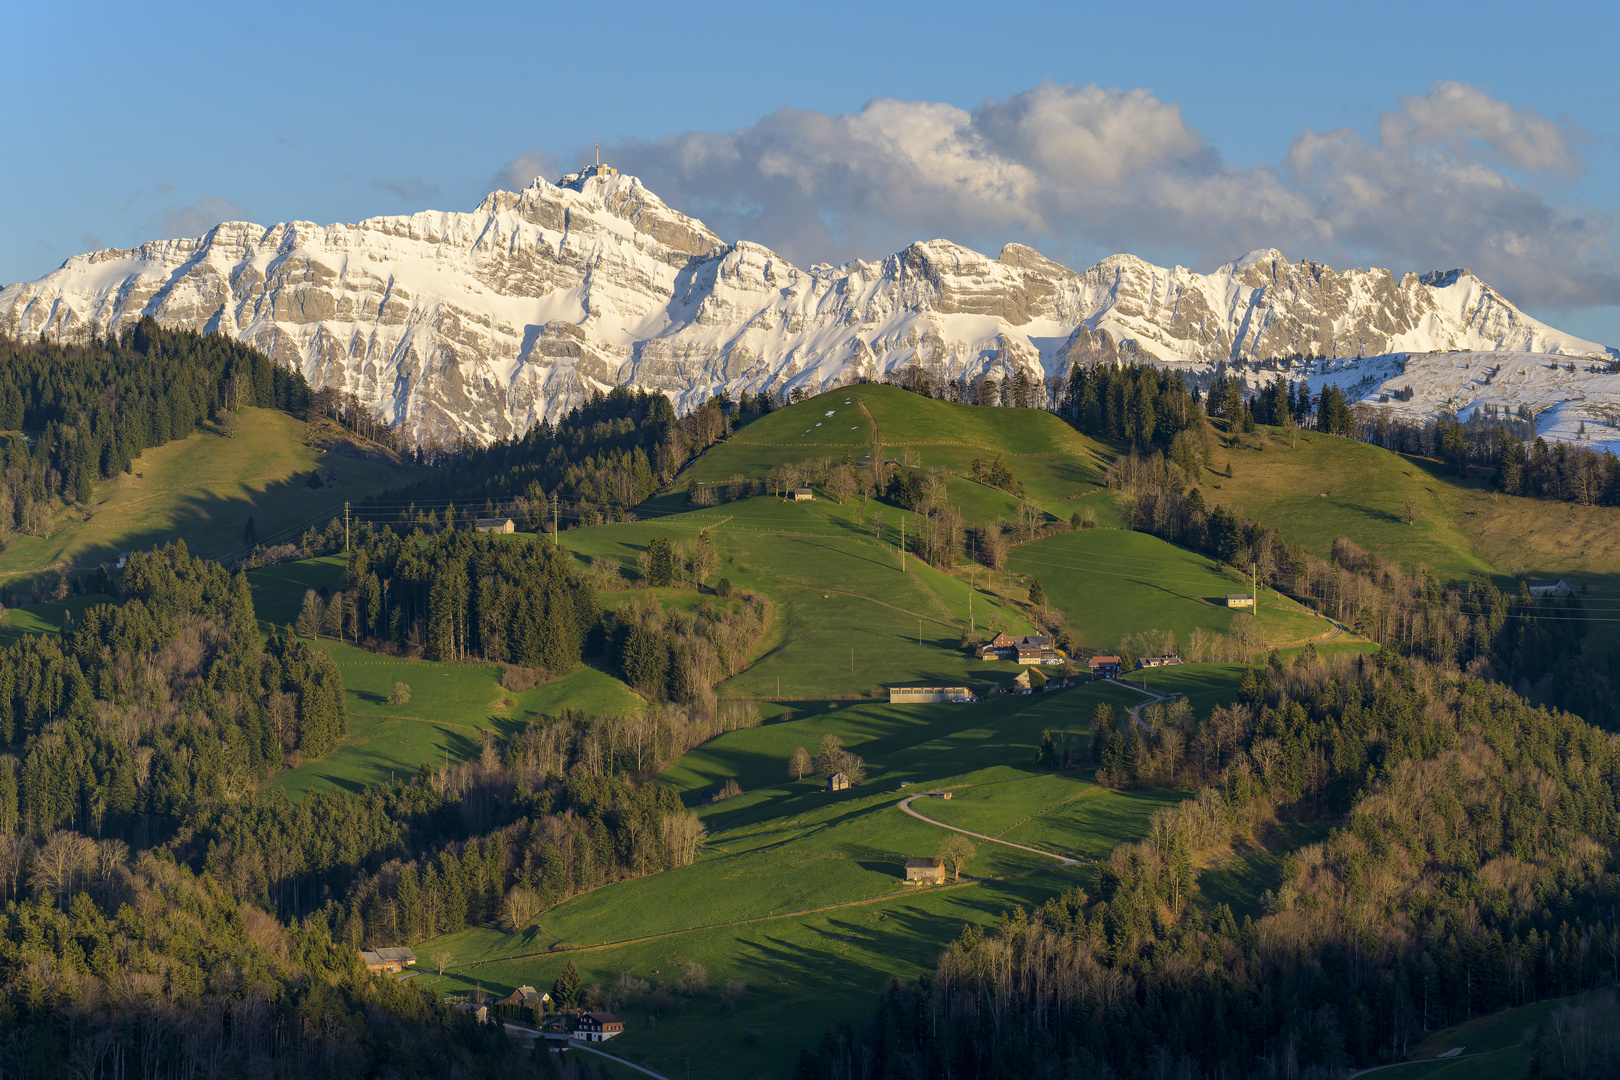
[159, 901]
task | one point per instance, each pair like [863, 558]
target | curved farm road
[905, 806]
[575, 1044]
[1136, 710]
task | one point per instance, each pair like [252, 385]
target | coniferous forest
[1470, 873]
[96, 407]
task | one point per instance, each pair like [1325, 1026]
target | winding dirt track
[905, 806]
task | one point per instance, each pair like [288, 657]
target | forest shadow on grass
[213, 525]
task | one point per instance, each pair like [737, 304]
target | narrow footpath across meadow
[905, 806]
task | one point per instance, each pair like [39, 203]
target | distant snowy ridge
[1573, 400]
[481, 323]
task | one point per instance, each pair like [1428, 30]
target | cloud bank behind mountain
[1454, 177]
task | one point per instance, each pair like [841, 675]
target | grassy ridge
[1111, 583]
[1366, 493]
[1052, 459]
[202, 489]
[845, 618]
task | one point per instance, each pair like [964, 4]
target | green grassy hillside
[797, 894]
[203, 489]
[1327, 487]
[1052, 459]
[1111, 583]
[451, 705]
[846, 620]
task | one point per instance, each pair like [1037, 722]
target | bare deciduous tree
[519, 908]
[694, 978]
[954, 851]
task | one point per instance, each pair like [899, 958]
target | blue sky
[1411, 136]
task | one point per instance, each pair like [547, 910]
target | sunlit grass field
[1052, 459]
[846, 619]
[1110, 583]
[798, 891]
[203, 489]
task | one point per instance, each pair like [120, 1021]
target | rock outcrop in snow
[480, 323]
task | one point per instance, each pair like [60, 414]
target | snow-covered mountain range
[480, 323]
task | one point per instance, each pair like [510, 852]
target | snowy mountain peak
[1257, 257]
[477, 324]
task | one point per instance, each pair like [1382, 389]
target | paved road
[905, 805]
[575, 1044]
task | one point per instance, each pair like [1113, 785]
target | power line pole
[1254, 591]
[345, 525]
[554, 538]
[902, 543]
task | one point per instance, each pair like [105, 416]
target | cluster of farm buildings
[522, 1004]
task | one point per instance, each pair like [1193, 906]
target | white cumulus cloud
[1451, 178]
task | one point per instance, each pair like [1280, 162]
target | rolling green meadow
[797, 896]
[1111, 583]
[798, 893]
[203, 489]
[1054, 461]
[846, 620]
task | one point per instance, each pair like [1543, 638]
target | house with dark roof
[1038, 654]
[387, 959]
[528, 997]
[1036, 647]
[495, 525]
[597, 1027]
[924, 872]
[1551, 587]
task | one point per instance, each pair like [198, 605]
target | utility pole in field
[1254, 591]
[971, 576]
[345, 525]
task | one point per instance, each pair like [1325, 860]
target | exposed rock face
[478, 324]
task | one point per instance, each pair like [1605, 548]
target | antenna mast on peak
[597, 168]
